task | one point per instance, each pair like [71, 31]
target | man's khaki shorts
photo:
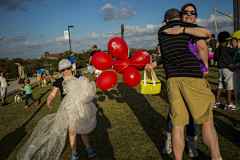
[93, 69]
[73, 66]
[39, 77]
[192, 95]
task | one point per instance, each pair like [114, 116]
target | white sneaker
[231, 106]
[168, 146]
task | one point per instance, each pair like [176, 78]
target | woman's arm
[51, 96]
[195, 31]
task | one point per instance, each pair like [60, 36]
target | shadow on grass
[99, 138]
[16, 136]
[224, 129]
[152, 122]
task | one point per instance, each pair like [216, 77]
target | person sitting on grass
[89, 69]
[28, 90]
[4, 85]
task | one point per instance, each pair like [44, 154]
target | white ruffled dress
[76, 111]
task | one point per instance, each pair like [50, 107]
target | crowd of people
[186, 61]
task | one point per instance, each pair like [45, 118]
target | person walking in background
[224, 57]
[21, 73]
[72, 59]
[235, 40]
[28, 90]
[90, 59]
[213, 42]
[3, 90]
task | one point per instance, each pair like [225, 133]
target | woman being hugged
[76, 114]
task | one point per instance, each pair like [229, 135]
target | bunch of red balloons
[118, 49]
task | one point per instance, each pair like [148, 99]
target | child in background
[44, 79]
[98, 72]
[89, 69]
[4, 85]
[223, 55]
[28, 90]
[235, 40]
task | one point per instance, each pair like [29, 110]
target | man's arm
[195, 31]
[90, 60]
[20, 72]
[203, 52]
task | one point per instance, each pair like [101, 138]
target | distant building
[54, 56]
[236, 14]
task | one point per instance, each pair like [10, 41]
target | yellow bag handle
[154, 77]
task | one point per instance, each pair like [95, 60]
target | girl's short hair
[27, 81]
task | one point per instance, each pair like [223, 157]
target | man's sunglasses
[66, 69]
[185, 12]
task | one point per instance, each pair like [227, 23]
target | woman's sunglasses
[66, 69]
[185, 12]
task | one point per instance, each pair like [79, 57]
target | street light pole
[69, 37]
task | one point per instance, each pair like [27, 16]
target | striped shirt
[177, 59]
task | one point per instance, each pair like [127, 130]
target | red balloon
[140, 58]
[120, 65]
[118, 48]
[107, 80]
[131, 77]
[102, 61]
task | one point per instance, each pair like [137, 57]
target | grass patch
[130, 125]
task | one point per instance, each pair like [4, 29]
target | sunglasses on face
[66, 69]
[185, 12]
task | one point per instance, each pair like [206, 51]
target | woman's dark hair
[185, 6]
[213, 35]
[222, 36]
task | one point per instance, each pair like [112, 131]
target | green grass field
[130, 125]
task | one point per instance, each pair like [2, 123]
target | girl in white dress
[76, 114]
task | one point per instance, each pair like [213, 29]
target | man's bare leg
[228, 96]
[210, 138]
[217, 94]
[178, 141]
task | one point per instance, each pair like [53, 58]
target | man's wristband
[184, 29]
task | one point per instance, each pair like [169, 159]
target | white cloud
[114, 13]
[41, 35]
[119, 14]
[8, 40]
[5, 27]
[224, 23]
[106, 7]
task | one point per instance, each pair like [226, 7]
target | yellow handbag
[150, 86]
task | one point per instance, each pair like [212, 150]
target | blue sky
[28, 28]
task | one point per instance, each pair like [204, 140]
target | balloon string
[123, 68]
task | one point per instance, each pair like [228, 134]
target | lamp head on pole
[70, 26]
